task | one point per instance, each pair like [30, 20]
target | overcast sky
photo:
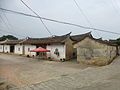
[103, 14]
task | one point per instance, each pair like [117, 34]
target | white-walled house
[5, 47]
[1, 48]
[60, 46]
[18, 49]
[27, 49]
[8, 46]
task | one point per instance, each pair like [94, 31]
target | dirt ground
[100, 78]
[22, 71]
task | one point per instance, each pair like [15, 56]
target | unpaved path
[101, 78]
[22, 71]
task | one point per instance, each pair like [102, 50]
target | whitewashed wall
[61, 49]
[27, 49]
[1, 48]
[7, 48]
[18, 49]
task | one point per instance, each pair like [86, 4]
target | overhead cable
[62, 22]
[37, 16]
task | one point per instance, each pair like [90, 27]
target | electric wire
[80, 9]
[62, 22]
[82, 12]
[4, 22]
[114, 6]
[37, 16]
[8, 28]
[7, 20]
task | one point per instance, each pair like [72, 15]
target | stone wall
[119, 50]
[69, 49]
[91, 51]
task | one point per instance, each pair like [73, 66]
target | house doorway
[12, 49]
[74, 56]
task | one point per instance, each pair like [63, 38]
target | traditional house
[8, 46]
[60, 46]
[115, 42]
[1, 47]
[95, 51]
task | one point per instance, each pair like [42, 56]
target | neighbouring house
[60, 46]
[1, 47]
[119, 50]
[83, 47]
[94, 51]
[115, 42]
[25, 46]
[8, 46]
[19, 49]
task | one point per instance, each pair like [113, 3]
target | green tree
[10, 37]
[118, 41]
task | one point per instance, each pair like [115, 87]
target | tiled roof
[81, 36]
[10, 42]
[113, 42]
[104, 42]
[55, 39]
[47, 40]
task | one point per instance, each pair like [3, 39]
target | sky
[102, 14]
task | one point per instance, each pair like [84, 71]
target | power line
[80, 9]
[7, 19]
[9, 24]
[114, 6]
[37, 16]
[4, 22]
[10, 32]
[62, 22]
[8, 28]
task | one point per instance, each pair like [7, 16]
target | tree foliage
[118, 41]
[10, 37]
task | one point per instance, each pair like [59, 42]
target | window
[1, 47]
[18, 49]
[28, 49]
[5, 48]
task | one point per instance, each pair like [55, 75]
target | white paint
[1, 48]
[27, 49]
[61, 50]
[7, 48]
[18, 49]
